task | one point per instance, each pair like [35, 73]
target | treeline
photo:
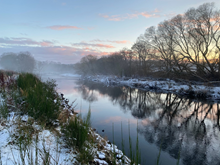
[187, 45]
[18, 62]
[25, 62]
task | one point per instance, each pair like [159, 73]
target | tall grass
[3, 110]
[122, 144]
[131, 155]
[76, 133]
[39, 97]
[114, 153]
[138, 154]
[158, 156]
[134, 157]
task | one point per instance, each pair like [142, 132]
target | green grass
[158, 156]
[76, 131]
[3, 110]
[39, 98]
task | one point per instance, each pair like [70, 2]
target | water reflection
[177, 125]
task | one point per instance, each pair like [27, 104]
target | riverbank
[195, 90]
[30, 136]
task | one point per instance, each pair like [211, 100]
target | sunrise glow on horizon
[67, 30]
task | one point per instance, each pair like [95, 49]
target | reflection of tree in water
[176, 124]
[182, 125]
[88, 91]
[87, 94]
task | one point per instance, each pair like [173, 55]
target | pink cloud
[47, 50]
[24, 41]
[117, 42]
[145, 14]
[115, 19]
[62, 27]
[112, 18]
[104, 46]
[131, 16]
[85, 44]
[63, 54]
[122, 42]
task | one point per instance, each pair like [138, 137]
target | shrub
[39, 97]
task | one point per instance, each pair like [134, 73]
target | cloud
[62, 27]
[85, 44]
[113, 17]
[63, 54]
[49, 50]
[154, 14]
[117, 42]
[24, 41]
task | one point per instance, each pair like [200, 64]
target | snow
[101, 162]
[47, 141]
[165, 86]
[24, 118]
[70, 75]
[101, 155]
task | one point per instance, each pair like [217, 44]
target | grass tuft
[39, 98]
[76, 131]
[3, 110]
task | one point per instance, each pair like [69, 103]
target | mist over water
[174, 124]
[25, 62]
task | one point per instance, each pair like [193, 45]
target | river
[179, 127]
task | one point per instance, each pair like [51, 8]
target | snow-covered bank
[70, 75]
[47, 142]
[189, 89]
[25, 139]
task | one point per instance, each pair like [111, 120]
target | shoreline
[192, 90]
[22, 135]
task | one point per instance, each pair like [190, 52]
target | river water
[179, 127]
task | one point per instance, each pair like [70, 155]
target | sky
[67, 30]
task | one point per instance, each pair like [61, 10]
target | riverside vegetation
[33, 113]
[29, 107]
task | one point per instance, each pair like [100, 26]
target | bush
[39, 98]
[76, 131]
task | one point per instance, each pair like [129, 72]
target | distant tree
[8, 61]
[26, 62]
[21, 62]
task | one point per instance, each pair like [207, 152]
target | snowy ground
[190, 89]
[24, 141]
[47, 142]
